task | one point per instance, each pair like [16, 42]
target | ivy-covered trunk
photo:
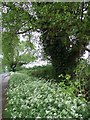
[64, 58]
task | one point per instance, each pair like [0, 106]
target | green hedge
[46, 72]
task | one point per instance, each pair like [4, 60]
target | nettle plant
[31, 97]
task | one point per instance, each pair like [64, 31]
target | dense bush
[82, 73]
[46, 72]
[31, 97]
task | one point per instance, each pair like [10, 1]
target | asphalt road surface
[3, 87]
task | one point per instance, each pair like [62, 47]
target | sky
[85, 56]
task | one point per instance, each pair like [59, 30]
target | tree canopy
[15, 20]
[65, 32]
[64, 29]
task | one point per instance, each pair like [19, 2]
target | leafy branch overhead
[15, 20]
[64, 29]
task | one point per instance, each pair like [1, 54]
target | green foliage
[82, 73]
[58, 22]
[31, 97]
[45, 72]
[25, 48]
[1, 70]
[9, 42]
[15, 19]
[26, 58]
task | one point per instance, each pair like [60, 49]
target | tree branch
[24, 31]
[87, 49]
[37, 30]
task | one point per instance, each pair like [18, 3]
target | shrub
[31, 97]
[46, 72]
[82, 73]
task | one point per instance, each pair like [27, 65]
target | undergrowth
[31, 97]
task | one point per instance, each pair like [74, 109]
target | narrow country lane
[3, 87]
